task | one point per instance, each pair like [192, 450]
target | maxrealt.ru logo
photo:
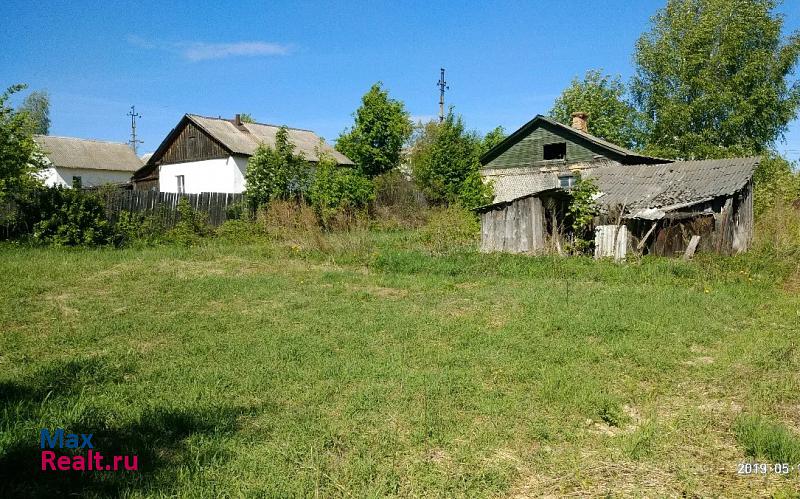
[92, 461]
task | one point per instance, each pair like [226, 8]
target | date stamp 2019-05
[766, 468]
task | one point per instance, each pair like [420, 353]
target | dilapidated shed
[654, 209]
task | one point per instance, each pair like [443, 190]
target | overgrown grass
[763, 439]
[277, 362]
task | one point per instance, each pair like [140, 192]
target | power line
[134, 142]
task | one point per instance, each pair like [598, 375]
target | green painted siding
[528, 151]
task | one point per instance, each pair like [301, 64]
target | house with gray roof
[74, 162]
[203, 154]
[647, 205]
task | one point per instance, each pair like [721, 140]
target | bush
[191, 227]
[398, 203]
[449, 229]
[69, 217]
[276, 173]
[338, 191]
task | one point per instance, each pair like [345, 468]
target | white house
[77, 162]
[204, 154]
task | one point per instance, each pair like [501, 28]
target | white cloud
[200, 51]
[204, 51]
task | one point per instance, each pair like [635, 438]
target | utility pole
[134, 142]
[442, 87]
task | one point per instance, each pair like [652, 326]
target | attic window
[555, 151]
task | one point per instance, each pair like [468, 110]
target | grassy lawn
[370, 368]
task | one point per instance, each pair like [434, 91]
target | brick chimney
[237, 120]
[579, 121]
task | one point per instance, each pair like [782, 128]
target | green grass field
[366, 366]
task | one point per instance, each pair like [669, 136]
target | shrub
[191, 227]
[762, 439]
[276, 173]
[582, 210]
[69, 217]
[398, 203]
[449, 229]
[338, 190]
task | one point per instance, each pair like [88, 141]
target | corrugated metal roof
[646, 191]
[70, 152]
[246, 140]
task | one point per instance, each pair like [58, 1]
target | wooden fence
[165, 204]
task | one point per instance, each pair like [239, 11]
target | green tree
[491, 139]
[602, 97]
[19, 155]
[337, 189]
[713, 78]
[381, 127]
[276, 173]
[444, 161]
[775, 182]
[247, 118]
[37, 106]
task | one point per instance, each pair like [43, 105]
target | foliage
[712, 78]
[19, 154]
[445, 163]
[247, 118]
[774, 182]
[192, 225]
[338, 189]
[582, 210]
[450, 228]
[276, 173]
[37, 106]
[70, 217]
[381, 127]
[491, 139]
[602, 97]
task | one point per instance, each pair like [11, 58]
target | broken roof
[646, 191]
[244, 139]
[71, 152]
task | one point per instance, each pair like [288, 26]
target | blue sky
[307, 64]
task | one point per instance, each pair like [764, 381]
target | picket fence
[165, 204]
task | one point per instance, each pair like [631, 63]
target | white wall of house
[212, 175]
[54, 176]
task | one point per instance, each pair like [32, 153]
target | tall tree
[602, 97]
[247, 118]
[492, 138]
[381, 127]
[19, 155]
[37, 107]
[444, 161]
[713, 78]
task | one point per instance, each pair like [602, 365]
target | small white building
[77, 162]
[204, 154]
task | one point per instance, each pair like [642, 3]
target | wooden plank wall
[165, 204]
[514, 228]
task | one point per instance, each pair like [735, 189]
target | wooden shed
[648, 209]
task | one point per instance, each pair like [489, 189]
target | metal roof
[646, 191]
[71, 152]
[246, 138]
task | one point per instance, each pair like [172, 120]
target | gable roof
[71, 152]
[245, 139]
[646, 191]
[624, 155]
